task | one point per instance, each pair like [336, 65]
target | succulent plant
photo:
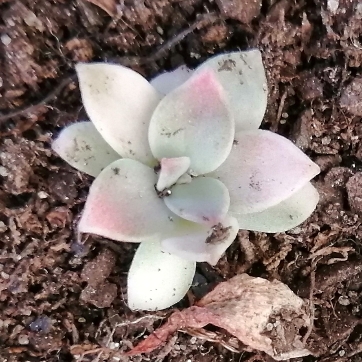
[181, 166]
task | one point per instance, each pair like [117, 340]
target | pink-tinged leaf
[262, 170]
[168, 81]
[171, 170]
[284, 216]
[157, 280]
[194, 121]
[244, 306]
[201, 243]
[83, 147]
[120, 103]
[204, 200]
[243, 77]
[123, 204]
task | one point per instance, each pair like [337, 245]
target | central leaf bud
[172, 169]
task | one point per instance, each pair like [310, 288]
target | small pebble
[333, 5]
[5, 275]
[113, 345]
[342, 300]
[359, 9]
[41, 324]
[42, 195]
[3, 171]
[23, 339]
[3, 227]
[5, 39]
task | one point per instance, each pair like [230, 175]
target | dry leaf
[266, 316]
[109, 6]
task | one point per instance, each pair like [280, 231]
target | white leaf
[83, 147]
[168, 81]
[243, 77]
[156, 279]
[284, 216]
[171, 170]
[193, 121]
[120, 103]
[123, 204]
[200, 243]
[262, 170]
[204, 200]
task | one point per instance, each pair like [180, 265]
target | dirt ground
[49, 308]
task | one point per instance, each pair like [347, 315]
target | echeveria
[181, 166]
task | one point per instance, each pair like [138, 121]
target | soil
[62, 297]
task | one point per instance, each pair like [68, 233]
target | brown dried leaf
[109, 6]
[263, 315]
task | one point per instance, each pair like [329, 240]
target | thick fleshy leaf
[194, 121]
[168, 81]
[204, 200]
[200, 243]
[243, 77]
[284, 216]
[171, 170]
[262, 170]
[83, 147]
[157, 280]
[123, 204]
[120, 103]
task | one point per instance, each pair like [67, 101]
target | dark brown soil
[55, 305]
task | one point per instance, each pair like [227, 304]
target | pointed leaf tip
[193, 121]
[171, 170]
[123, 205]
[168, 81]
[270, 168]
[81, 145]
[242, 75]
[284, 216]
[120, 103]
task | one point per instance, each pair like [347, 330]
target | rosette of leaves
[180, 166]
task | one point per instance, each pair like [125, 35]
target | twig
[358, 349]
[44, 101]
[203, 20]
[101, 350]
[126, 61]
[280, 109]
[311, 302]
